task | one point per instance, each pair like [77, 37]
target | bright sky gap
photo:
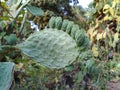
[84, 3]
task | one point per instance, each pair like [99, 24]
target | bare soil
[114, 85]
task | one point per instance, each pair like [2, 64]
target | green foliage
[50, 47]
[11, 39]
[54, 5]
[86, 55]
[35, 10]
[6, 75]
[104, 28]
[15, 7]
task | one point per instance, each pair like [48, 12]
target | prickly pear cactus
[58, 23]
[64, 25]
[57, 46]
[74, 29]
[6, 75]
[79, 35]
[52, 22]
[51, 48]
[69, 27]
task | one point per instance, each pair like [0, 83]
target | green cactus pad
[69, 27]
[86, 43]
[51, 48]
[58, 23]
[79, 37]
[6, 75]
[52, 22]
[74, 29]
[64, 25]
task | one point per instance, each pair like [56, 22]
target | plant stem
[23, 22]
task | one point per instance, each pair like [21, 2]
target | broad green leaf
[35, 10]
[11, 39]
[6, 75]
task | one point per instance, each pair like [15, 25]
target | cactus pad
[6, 75]
[52, 22]
[58, 23]
[74, 29]
[69, 27]
[64, 25]
[51, 48]
[79, 37]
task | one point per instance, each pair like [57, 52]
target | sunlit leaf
[104, 35]
[106, 8]
[117, 1]
[116, 37]
[112, 11]
[107, 17]
[99, 36]
[118, 19]
[19, 66]
[113, 4]
[95, 51]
